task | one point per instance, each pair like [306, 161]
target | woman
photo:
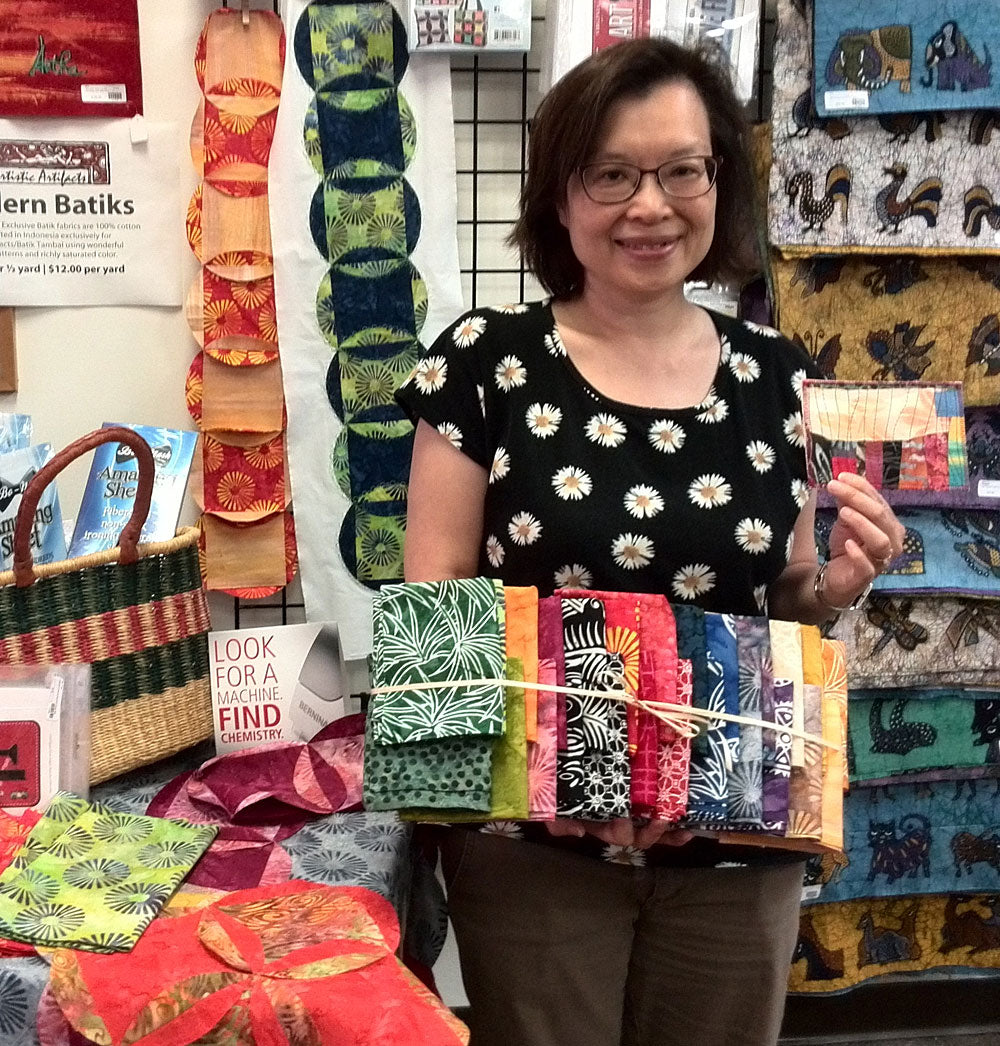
[619, 437]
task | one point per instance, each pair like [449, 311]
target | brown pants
[559, 949]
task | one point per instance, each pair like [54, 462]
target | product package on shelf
[470, 25]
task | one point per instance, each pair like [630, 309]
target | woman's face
[646, 247]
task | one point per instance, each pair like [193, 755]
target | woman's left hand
[865, 539]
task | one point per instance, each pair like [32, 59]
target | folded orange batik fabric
[295, 964]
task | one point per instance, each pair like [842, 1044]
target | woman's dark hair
[565, 133]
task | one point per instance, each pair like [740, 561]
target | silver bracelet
[854, 604]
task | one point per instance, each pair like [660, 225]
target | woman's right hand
[619, 832]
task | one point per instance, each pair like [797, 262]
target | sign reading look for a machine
[87, 215]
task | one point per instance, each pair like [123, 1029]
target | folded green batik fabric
[88, 877]
[438, 631]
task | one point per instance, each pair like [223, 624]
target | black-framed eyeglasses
[613, 181]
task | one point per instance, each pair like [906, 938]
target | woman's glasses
[611, 181]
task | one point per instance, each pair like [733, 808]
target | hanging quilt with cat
[916, 839]
[904, 56]
[925, 182]
[845, 944]
[896, 318]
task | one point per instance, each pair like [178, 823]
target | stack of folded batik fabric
[490, 703]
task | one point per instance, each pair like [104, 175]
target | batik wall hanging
[896, 318]
[898, 435]
[233, 389]
[899, 732]
[74, 58]
[914, 839]
[945, 551]
[363, 162]
[915, 641]
[843, 945]
[903, 56]
[894, 183]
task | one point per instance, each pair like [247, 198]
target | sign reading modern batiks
[86, 216]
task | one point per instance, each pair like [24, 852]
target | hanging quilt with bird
[923, 181]
[904, 56]
[899, 318]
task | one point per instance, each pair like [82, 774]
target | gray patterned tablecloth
[354, 849]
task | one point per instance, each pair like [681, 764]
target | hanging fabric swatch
[366, 262]
[915, 641]
[74, 58]
[842, 945]
[907, 182]
[234, 389]
[900, 318]
[945, 551]
[909, 57]
[908, 435]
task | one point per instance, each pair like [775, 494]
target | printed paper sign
[87, 217]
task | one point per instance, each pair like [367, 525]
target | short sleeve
[445, 388]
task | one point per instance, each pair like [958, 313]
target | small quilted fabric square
[926, 422]
[88, 877]
[445, 632]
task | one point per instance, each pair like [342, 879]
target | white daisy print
[800, 492]
[795, 431]
[494, 551]
[605, 429]
[632, 551]
[508, 829]
[726, 349]
[643, 501]
[543, 419]
[510, 373]
[710, 490]
[788, 546]
[666, 435]
[753, 535]
[510, 310]
[573, 575]
[452, 433]
[468, 332]
[761, 455]
[797, 378]
[692, 581]
[524, 529]
[572, 483]
[760, 328]
[501, 464]
[760, 597]
[631, 855]
[745, 367]
[555, 344]
[712, 409]
[481, 394]
[431, 374]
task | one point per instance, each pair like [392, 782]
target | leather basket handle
[24, 573]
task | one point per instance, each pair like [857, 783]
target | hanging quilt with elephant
[845, 944]
[925, 181]
[904, 56]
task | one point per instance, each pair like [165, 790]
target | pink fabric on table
[936, 452]
[550, 646]
[542, 751]
[675, 755]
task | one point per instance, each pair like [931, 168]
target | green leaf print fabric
[438, 631]
[89, 877]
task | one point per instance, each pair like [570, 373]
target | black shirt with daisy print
[696, 503]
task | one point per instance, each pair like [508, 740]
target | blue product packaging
[15, 432]
[113, 482]
[48, 544]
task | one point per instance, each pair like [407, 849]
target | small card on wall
[470, 25]
[276, 684]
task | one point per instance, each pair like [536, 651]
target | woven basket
[136, 613]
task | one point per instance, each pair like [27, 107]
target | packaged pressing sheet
[17, 468]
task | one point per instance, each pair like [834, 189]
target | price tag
[989, 488]
[106, 94]
[810, 893]
[844, 100]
